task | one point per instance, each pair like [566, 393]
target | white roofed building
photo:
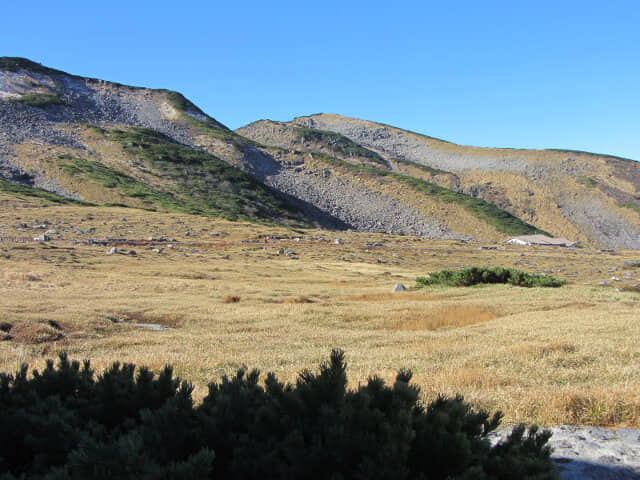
[541, 240]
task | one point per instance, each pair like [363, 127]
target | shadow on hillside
[318, 218]
[261, 164]
[571, 469]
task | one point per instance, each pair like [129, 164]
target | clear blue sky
[536, 73]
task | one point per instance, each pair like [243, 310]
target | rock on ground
[590, 453]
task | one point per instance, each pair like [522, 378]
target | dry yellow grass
[565, 355]
[450, 316]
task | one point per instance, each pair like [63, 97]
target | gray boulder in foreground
[590, 453]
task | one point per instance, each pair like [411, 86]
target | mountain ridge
[335, 172]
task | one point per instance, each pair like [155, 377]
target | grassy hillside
[19, 190]
[502, 347]
[201, 183]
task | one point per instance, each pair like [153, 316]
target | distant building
[541, 240]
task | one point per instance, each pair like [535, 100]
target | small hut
[541, 240]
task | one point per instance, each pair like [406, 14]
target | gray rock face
[398, 143]
[592, 453]
[357, 208]
[605, 226]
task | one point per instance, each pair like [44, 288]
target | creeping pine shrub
[66, 423]
[478, 275]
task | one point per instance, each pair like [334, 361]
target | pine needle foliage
[66, 423]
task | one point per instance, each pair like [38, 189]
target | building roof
[542, 240]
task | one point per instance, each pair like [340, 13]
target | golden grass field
[551, 356]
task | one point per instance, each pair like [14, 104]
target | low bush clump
[478, 275]
[63, 423]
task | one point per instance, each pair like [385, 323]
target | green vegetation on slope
[39, 100]
[482, 275]
[633, 206]
[204, 184]
[65, 422]
[210, 126]
[13, 64]
[24, 191]
[499, 219]
[338, 144]
[124, 184]
[587, 181]
[425, 168]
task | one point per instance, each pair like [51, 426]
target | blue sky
[535, 74]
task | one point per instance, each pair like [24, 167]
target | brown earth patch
[36, 333]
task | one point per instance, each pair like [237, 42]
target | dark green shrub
[64, 423]
[39, 100]
[482, 275]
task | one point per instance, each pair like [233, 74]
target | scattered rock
[41, 238]
[398, 287]
[112, 251]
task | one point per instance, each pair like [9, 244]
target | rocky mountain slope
[106, 143]
[586, 197]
